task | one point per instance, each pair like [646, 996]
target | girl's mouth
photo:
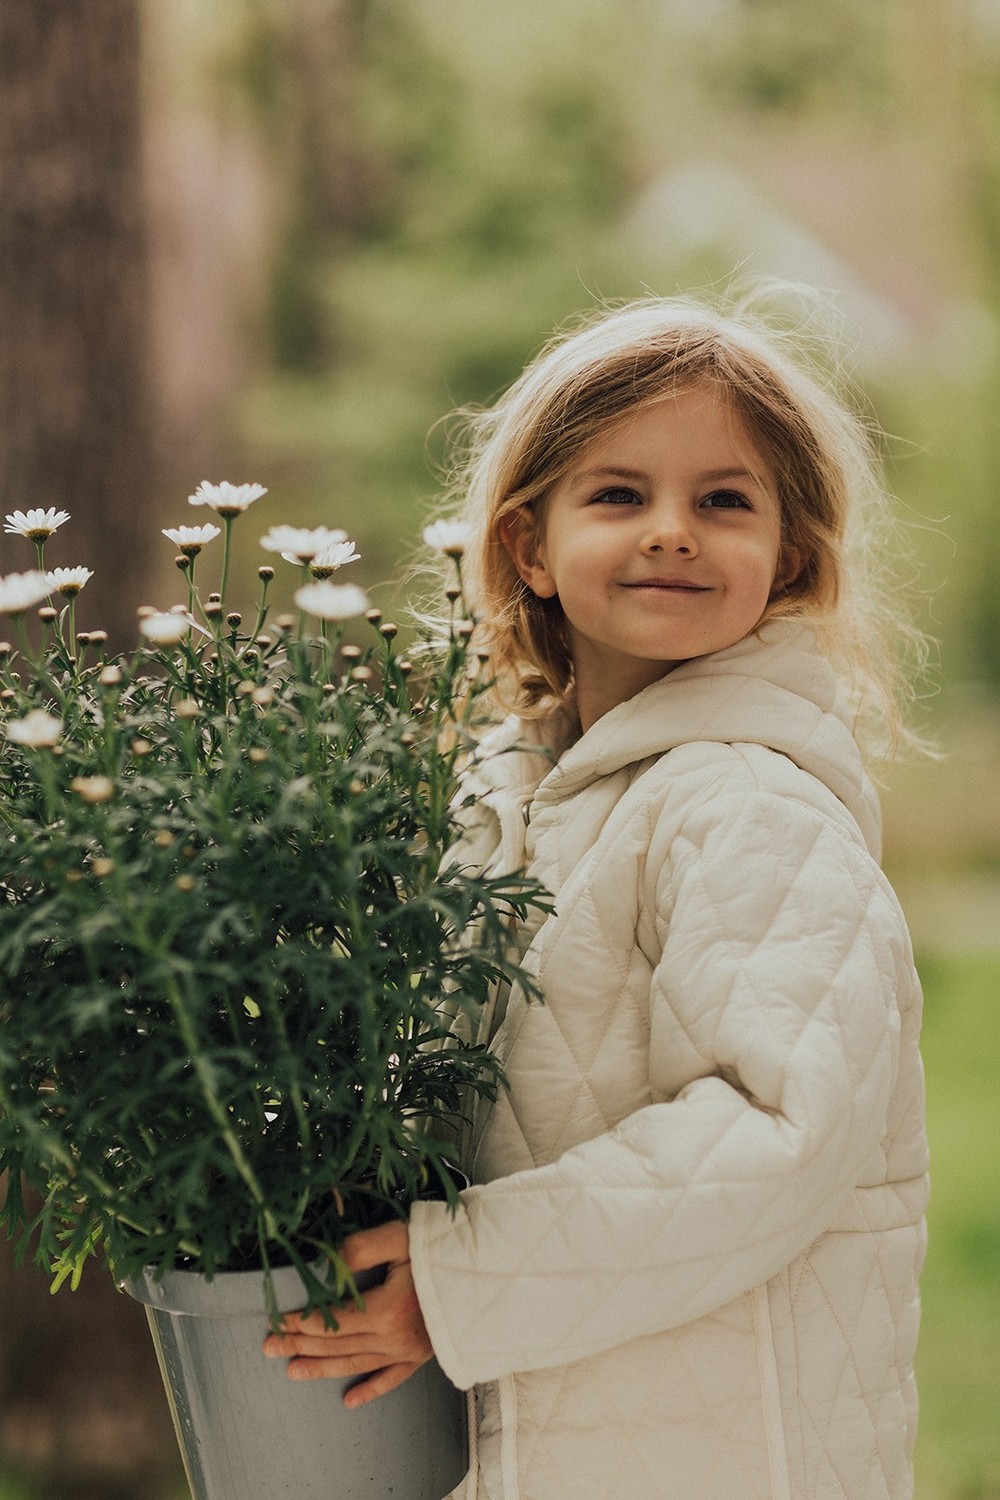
[672, 585]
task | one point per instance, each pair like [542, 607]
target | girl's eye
[617, 495]
[726, 500]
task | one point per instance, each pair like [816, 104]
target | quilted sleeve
[774, 1047]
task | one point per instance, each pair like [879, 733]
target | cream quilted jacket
[687, 1268]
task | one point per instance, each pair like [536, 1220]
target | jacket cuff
[428, 1221]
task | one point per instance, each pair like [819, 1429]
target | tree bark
[75, 399]
[82, 1410]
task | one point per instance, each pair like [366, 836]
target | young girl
[688, 1263]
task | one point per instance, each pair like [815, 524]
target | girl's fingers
[287, 1346]
[378, 1385]
[295, 1323]
[337, 1366]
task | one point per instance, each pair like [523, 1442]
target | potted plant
[228, 930]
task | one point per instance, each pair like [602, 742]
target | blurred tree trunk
[75, 401]
[82, 1410]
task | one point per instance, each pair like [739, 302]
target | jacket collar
[776, 688]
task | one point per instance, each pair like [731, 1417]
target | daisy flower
[191, 539]
[21, 591]
[165, 629]
[68, 581]
[332, 601]
[93, 788]
[36, 525]
[449, 537]
[38, 730]
[300, 544]
[329, 559]
[227, 499]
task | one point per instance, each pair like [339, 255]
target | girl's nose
[669, 532]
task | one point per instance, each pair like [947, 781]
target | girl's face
[661, 543]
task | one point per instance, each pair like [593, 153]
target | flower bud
[389, 630]
[185, 882]
[93, 788]
[102, 866]
[163, 839]
[48, 614]
[110, 676]
[266, 573]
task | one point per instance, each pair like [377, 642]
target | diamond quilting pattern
[737, 1101]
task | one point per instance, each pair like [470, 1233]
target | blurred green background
[360, 214]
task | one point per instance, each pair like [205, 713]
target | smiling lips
[670, 585]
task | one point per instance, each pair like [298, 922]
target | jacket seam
[767, 1367]
[507, 1392]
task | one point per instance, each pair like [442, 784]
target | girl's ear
[519, 534]
[790, 565]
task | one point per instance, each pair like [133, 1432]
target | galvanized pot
[247, 1432]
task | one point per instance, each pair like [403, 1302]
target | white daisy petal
[165, 629]
[22, 591]
[301, 542]
[38, 730]
[68, 581]
[332, 601]
[225, 498]
[191, 539]
[329, 559]
[36, 524]
[449, 537]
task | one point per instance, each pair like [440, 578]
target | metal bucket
[247, 1432]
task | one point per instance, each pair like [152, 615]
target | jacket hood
[776, 688]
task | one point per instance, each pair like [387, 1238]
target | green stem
[262, 609]
[213, 1103]
[227, 522]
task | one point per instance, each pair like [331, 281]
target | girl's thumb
[386, 1245]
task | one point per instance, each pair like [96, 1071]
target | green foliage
[958, 1444]
[228, 924]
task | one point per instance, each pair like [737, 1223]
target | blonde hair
[823, 455]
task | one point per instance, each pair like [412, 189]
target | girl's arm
[775, 1038]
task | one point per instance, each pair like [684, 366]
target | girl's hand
[387, 1342]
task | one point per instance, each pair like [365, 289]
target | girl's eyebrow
[719, 476]
[621, 471]
[610, 471]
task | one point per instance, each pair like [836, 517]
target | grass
[958, 1448]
